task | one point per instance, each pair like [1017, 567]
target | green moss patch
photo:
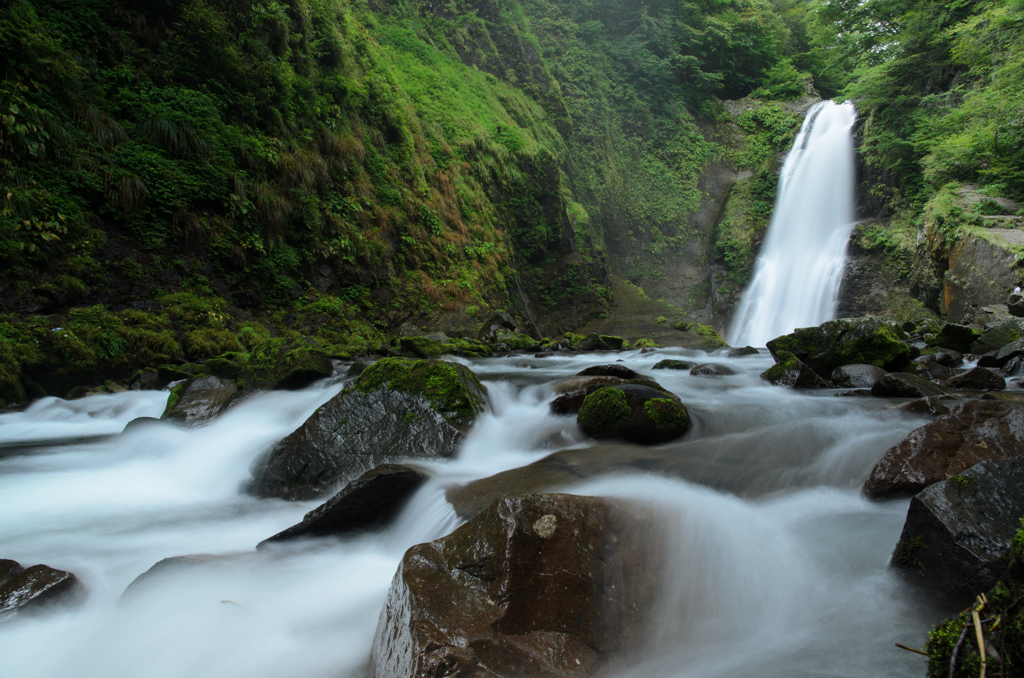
[602, 410]
[452, 389]
[667, 413]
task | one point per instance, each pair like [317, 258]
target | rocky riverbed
[646, 512]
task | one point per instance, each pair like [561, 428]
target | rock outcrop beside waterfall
[397, 409]
[972, 432]
[846, 341]
[536, 585]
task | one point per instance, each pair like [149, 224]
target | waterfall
[796, 281]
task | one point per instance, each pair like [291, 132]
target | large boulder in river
[847, 341]
[397, 409]
[857, 376]
[199, 400]
[791, 372]
[33, 589]
[958, 532]
[536, 585]
[369, 502]
[573, 390]
[972, 432]
[634, 413]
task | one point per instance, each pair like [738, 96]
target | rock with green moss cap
[957, 337]
[847, 341]
[634, 413]
[398, 408]
[790, 372]
[287, 364]
[199, 400]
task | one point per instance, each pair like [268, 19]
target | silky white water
[797, 275]
[775, 565]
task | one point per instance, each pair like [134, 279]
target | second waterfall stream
[796, 280]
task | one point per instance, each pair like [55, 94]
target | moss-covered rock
[791, 372]
[710, 336]
[957, 337]
[674, 365]
[847, 341]
[284, 364]
[602, 410]
[398, 408]
[452, 389]
[633, 412]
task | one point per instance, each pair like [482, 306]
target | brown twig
[904, 647]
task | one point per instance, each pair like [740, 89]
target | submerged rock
[789, 371]
[857, 376]
[929, 405]
[613, 370]
[635, 413]
[905, 385]
[958, 531]
[536, 585]
[972, 432]
[674, 365]
[712, 370]
[369, 502]
[976, 379]
[199, 400]
[34, 589]
[397, 409]
[847, 341]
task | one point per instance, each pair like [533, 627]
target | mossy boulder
[847, 341]
[287, 364]
[398, 408]
[996, 336]
[633, 412]
[790, 372]
[428, 346]
[740, 352]
[957, 337]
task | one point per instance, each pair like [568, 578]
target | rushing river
[776, 565]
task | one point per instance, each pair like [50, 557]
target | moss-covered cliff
[177, 175]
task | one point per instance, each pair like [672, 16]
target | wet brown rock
[976, 379]
[973, 431]
[932, 406]
[33, 589]
[536, 585]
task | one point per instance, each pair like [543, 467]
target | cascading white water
[796, 281]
